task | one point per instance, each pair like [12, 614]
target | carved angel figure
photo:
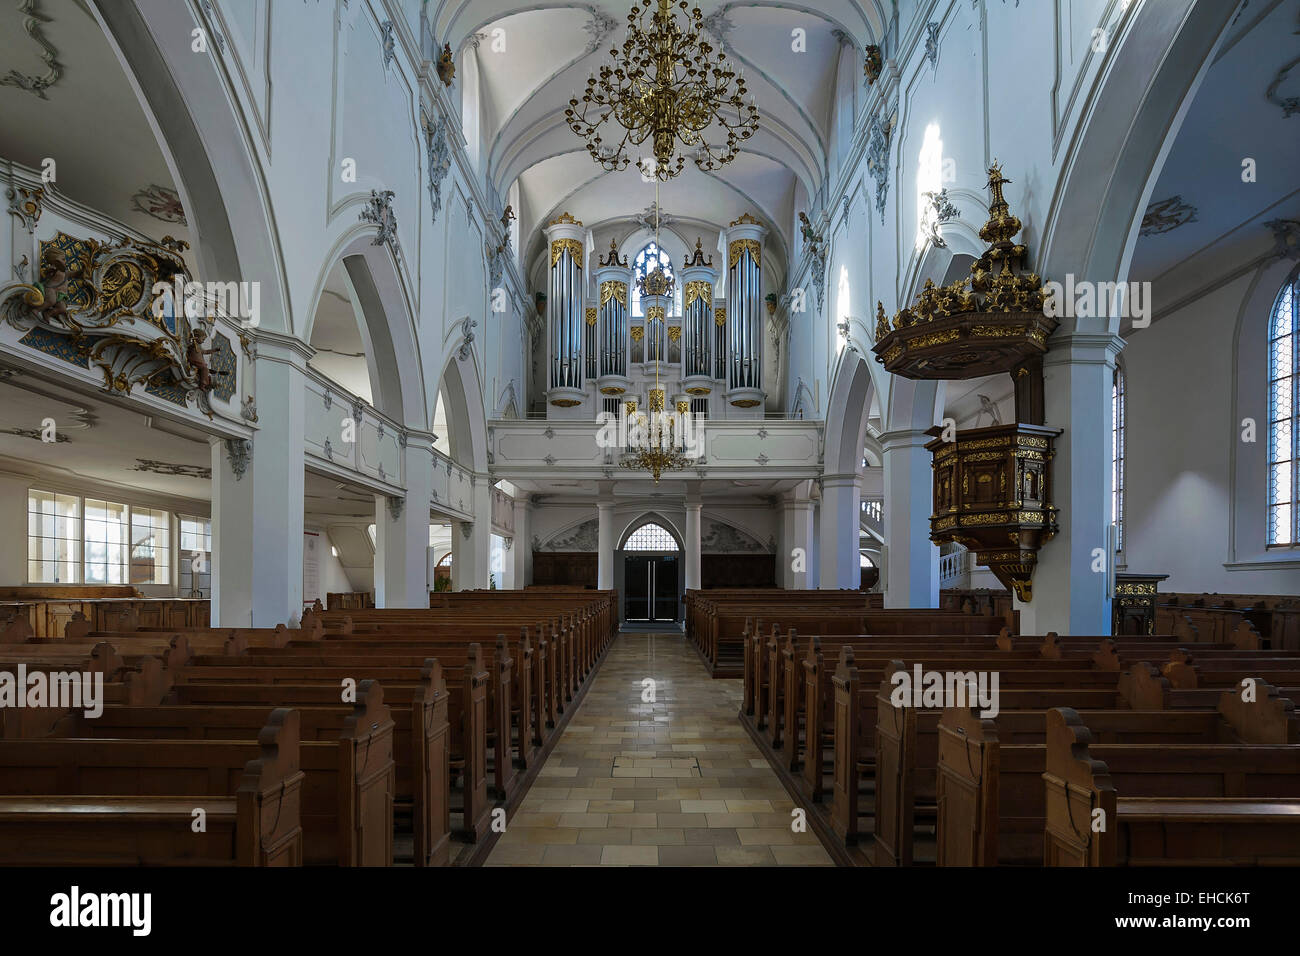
[54, 283]
[196, 357]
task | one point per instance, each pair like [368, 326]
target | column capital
[903, 438]
[1083, 348]
[842, 480]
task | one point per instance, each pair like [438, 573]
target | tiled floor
[676, 782]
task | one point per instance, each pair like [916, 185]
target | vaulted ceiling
[530, 62]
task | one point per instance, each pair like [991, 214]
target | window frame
[130, 508]
[638, 273]
[1288, 294]
[1118, 453]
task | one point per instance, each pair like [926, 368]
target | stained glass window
[1283, 397]
[644, 264]
[1118, 414]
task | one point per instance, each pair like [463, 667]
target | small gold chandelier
[667, 87]
[659, 454]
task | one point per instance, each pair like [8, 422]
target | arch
[207, 145]
[466, 416]
[386, 323]
[651, 537]
[650, 517]
[1116, 154]
[1283, 416]
[848, 408]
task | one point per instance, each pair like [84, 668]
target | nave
[673, 782]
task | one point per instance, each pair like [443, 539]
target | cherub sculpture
[54, 284]
[196, 357]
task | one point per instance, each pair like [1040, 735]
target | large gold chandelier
[667, 87]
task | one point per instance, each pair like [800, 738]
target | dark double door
[650, 583]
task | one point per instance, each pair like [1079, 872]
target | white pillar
[1069, 597]
[839, 532]
[402, 534]
[257, 502]
[795, 566]
[471, 541]
[522, 550]
[605, 545]
[911, 571]
[693, 511]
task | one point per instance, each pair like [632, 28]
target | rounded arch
[386, 323]
[208, 145]
[646, 518]
[1117, 152]
[466, 416]
[848, 409]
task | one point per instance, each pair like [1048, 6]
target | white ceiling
[1229, 121]
[105, 442]
[89, 121]
[548, 55]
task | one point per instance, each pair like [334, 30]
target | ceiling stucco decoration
[932, 43]
[172, 468]
[582, 538]
[720, 538]
[159, 202]
[1286, 238]
[1289, 105]
[598, 27]
[390, 42]
[379, 211]
[438, 157]
[33, 20]
[1167, 215]
[879, 136]
[34, 433]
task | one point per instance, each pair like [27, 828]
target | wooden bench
[132, 802]
[1167, 804]
[347, 755]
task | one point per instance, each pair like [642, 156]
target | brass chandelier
[667, 87]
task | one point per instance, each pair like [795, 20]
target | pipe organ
[744, 316]
[613, 280]
[699, 343]
[708, 357]
[565, 312]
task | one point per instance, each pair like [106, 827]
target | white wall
[1186, 487]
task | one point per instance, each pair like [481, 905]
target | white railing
[874, 508]
[953, 568]
[349, 434]
[503, 513]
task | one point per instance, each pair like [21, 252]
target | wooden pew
[421, 739]
[131, 802]
[1245, 812]
[347, 800]
[467, 699]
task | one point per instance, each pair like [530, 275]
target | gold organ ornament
[574, 247]
[669, 88]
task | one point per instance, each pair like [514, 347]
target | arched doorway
[652, 571]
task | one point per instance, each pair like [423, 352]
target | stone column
[402, 534]
[795, 566]
[694, 507]
[839, 532]
[471, 541]
[522, 550]
[605, 544]
[1069, 596]
[257, 501]
[911, 560]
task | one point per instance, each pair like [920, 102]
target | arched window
[864, 561]
[1118, 414]
[651, 537]
[1283, 419]
[643, 265]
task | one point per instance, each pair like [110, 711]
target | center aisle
[676, 782]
